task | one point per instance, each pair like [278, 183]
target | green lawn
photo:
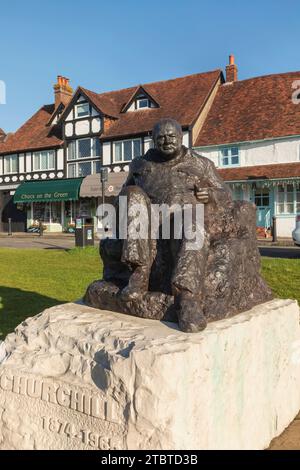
[32, 280]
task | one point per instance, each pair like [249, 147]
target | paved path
[33, 241]
[289, 439]
[289, 252]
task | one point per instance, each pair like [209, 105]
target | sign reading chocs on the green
[46, 191]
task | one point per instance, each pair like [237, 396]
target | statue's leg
[188, 286]
[138, 251]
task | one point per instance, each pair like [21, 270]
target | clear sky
[110, 44]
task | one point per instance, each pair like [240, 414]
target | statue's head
[167, 137]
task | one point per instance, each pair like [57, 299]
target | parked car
[296, 232]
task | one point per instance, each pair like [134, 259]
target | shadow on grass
[16, 305]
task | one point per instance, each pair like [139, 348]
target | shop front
[91, 193]
[278, 198]
[53, 203]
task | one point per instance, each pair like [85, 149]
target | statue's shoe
[130, 293]
[190, 316]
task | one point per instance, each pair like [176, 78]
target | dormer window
[82, 110]
[143, 103]
[140, 99]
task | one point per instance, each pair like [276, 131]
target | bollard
[274, 229]
[9, 227]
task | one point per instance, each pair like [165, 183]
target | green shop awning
[50, 190]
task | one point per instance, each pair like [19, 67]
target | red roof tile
[276, 171]
[180, 98]
[253, 109]
[34, 134]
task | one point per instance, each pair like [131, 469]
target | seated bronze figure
[161, 278]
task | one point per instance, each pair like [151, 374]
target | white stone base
[79, 378]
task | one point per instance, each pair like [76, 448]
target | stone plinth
[78, 378]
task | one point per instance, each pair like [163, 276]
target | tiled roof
[253, 109]
[180, 98]
[34, 134]
[276, 171]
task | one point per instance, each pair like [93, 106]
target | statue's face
[168, 141]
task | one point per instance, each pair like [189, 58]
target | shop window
[47, 212]
[285, 199]
[298, 198]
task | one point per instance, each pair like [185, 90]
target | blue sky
[106, 45]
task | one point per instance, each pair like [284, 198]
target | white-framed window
[44, 160]
[11, 164]
[126, 150]
[143, 103]
[83, 148]
[78, 169]
[298, 198]
[82, 110]
[286, 199]
[229, 156]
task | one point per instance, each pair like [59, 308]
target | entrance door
[263, 209]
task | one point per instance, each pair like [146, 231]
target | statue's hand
[202, 195]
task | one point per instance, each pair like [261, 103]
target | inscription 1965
[85, 436]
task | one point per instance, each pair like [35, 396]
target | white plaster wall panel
[96, 125]
[28, 162]
[185, 139]
[212, 154]
[60, 159]
[106, 153]
[82, 127]
[285, 226]
[131, 107]
[69, 129]
[1, 165]
[70, 116]
[147, 143]
[261, 153]
[21, 163]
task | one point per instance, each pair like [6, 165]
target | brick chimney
[231, 70]
[62, 91]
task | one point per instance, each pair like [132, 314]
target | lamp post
[103, 179]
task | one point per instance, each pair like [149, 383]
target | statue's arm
[216, 190]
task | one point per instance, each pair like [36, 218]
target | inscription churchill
[62, 395]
